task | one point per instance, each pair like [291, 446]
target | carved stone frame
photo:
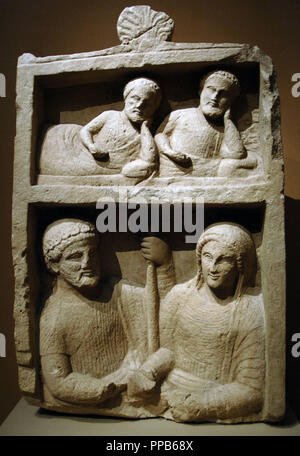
[266, 191]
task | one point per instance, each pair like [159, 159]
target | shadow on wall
[292, 223]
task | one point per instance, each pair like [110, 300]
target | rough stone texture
[232, 159]
[115, 142]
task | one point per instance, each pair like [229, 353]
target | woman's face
[219, 267]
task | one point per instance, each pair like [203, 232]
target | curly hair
[61, 234]
[230, 77]
[149, 84]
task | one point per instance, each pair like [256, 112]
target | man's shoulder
[51, 308]
[52, 328]
[129, 285]
[185, 113]
[112, 114]
[58, 310]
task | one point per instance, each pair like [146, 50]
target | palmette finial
[137, 24]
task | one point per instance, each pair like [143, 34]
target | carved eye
[224, 93]
[74, 256]
[226, 259]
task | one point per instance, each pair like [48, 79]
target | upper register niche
[153, 112]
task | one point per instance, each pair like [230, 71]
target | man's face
[79, 264]
[216, 97]
[219, 268]
[140, 104]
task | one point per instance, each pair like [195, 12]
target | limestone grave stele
[140, 323]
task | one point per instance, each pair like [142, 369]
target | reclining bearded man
[204, 141]
[113, 143]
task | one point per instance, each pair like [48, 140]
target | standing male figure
[93, 334]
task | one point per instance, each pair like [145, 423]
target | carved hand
[187, 407]
[156, 250]
[146, 124]
[132, 361]
[227, 115]
[108, 391]
[232, 145]
[140, 385]
[98, 154]
[181, 159]
[114, 383]
[178, 157]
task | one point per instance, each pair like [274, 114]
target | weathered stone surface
[138, 325]
[204, 141]
[115, 142]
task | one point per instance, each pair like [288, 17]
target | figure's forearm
[75, 387]
[159, 364]
[163, 144]
[144, 380]
[86, 137]
[166, 278]
[229, 401]
[148, 146]
[165, 149]
[232, 146]
[233, 400]
[82, 389]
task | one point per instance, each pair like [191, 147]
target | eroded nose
[86, 261]
[213, 266]
[141, 103]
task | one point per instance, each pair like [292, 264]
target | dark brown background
[49, 27]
